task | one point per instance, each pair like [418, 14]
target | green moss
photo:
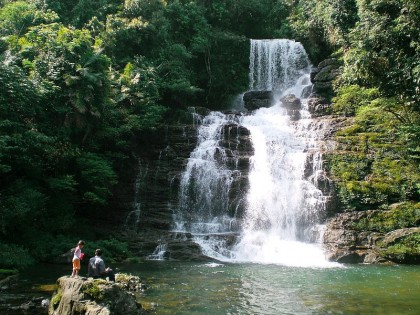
[402, 216]
[406, 249]
[370, 166]
[350, 98]
[8, 272]
[93, 289]
[56, 299]
[129, 282]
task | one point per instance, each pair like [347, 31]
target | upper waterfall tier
[276, 64]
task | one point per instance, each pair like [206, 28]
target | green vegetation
[55, 300]
[79, 80]
[404, 215]
[378, 41]
[406, 249]
[94, 289]
[113, 249]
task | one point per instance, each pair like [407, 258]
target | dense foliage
[79, 79]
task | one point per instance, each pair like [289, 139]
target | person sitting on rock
[96, 268]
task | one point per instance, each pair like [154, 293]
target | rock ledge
[88, 296]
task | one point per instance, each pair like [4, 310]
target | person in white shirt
[77, 257]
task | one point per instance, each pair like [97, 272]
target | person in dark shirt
[97, 269]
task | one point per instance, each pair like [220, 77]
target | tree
[72, 73]
[17, 17]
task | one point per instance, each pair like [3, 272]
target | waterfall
[132, 219]
[207, 181]
[278, 216]
[276, 64]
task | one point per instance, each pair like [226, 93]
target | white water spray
[283, 206]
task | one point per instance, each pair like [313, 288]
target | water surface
[214, 288]
[221, 288]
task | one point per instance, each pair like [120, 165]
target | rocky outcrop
[8, 279]
[346, 242]
[323, 75]
[81, 296]
[318, 106]
[293, 105]
[257, 99]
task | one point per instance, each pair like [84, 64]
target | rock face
[147, 199]
[318, 106]
[257, 99]
[323, 75]
[345, 243]
[95, 297]
[153, 184]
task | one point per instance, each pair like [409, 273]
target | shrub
[402, 216]
[14, 256]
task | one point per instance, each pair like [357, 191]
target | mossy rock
[95, 289]
[404, 215]
[96, 296]
[402, 246]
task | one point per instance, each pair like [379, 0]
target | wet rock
[8, 282]
[328, 62]
[314, 72]
[293, 106]
[37, 306]
[291, 102]
[318, 105]
[342, 241]
[294, 114]
[327, 74]
[257, 99]
[323, 88]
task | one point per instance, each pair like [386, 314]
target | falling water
[276, 64]
[283, 208]
[207, 180]
[133, 217]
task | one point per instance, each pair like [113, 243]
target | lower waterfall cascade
[270, 210]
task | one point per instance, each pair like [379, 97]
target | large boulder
[257, 99]
[395, 247]
[81, 296]
[345, 244]
[349, 238]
